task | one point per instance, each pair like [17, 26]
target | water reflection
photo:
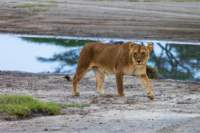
[177, 61]
[18, 55]
[173, 61]
[68, 58]
[56, 41]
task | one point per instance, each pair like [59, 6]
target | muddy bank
[125, 19]
[176, 105]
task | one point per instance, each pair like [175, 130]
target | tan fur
[126, 59]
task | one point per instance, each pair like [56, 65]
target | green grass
[37, 6]
[31, 5]
[26, 106]
[20, 107]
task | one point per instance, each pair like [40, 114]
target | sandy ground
[176, 107]
[102, 18]
[177, 104]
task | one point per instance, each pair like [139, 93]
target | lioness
[129, 58]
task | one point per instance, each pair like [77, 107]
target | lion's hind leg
[77, 77]
[100, 76]
[82, 67]
[119, 80]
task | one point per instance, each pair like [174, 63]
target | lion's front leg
[146, 82]
[100, 82]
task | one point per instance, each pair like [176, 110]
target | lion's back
[98, 55]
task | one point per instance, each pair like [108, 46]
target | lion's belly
[127, 70]
[103, 69]
[107, 70]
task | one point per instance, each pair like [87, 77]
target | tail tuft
[68, 78]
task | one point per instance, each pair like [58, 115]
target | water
[174, 60]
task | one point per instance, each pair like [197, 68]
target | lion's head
[139, 53]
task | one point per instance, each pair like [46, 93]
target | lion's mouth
[140, 64]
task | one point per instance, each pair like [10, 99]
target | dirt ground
[176, 107]
[102, 18]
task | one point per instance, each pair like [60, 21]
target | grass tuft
[26, 106]
[37, 6]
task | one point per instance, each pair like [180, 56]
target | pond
[48, 54]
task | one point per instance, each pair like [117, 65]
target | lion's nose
[139, 61]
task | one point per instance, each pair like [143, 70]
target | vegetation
[20, 107]
[55, 41]
[26, 106]
[177, 61]
[36, 6]
[152, 72]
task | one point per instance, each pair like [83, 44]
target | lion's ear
[131, 44]
[150, 46]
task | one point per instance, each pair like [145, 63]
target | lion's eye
[135, 55]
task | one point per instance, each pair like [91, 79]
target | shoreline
[177, 21]
[176, 105]
[107, 39]
[23, 73]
